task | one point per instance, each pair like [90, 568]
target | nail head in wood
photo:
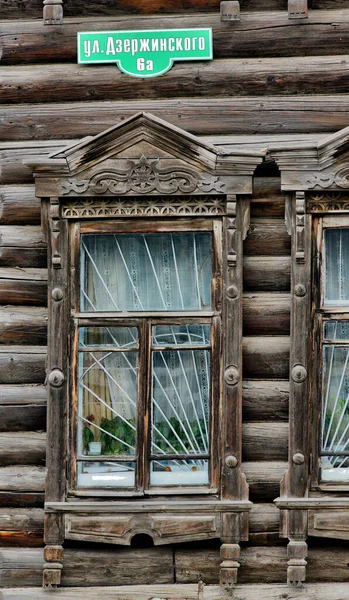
[230, 10]
[297, 9]
[53, 12]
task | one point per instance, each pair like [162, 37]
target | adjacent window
[146, 331]
[334, 331]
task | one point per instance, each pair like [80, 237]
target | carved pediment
[321, 165]
[145, 156]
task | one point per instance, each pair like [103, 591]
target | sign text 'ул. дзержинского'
[144, 53]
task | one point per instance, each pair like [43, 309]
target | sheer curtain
[156, 272]
[337, 267]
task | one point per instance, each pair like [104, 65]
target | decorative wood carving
[295, 481]
[53, 12]
[323, 202]
[140, 207]
[339, 178]
[144, 176]
[300, 226]
[230, 10]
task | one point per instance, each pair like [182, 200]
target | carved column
[234, 487]
[295, 482]
[57, 391]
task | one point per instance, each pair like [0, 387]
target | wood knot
[56, 378]
[57, 294]
[300, 290]
[299, 374]
[231, 375]
[298, 458]
[231, 461]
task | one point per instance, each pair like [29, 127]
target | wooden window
[145, 358]
[331, 291]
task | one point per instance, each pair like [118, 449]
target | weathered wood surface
[22, 364]
[22, 448]
[22, 479]
[267, 273]
[265, 400]
[257, 34]
[12, 155]
[23, 325]
[233, 77]
[22, 246]
[21, 527]
[20, 499]
[197, 115]
[268, 237]
[14, 9]
[264, 479]
[92, 567]
[25, 527]
[262, 564]
[266, 357]
[22, 407]
[266, 314]
[23, 286]
[322, 591]
[19, 206]
[265, 441]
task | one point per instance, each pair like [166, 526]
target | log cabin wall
[271, 77]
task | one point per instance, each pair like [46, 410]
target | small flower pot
[95, 448]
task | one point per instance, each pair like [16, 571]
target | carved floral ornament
[144, 176]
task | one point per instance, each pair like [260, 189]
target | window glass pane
[106, 474]
[177, 335]
[179, 472]
[160, 271]
[336, 281]
[335, 407]
[180, 402]
[335, 468]
[107, 402]
[115, 337]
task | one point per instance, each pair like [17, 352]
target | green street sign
[145, 53]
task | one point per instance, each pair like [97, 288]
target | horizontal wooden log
[267, 273]
[266, 314]
[91, 567]
[23, 286]
[18, 205]
[22, 479]
[258, 34]
[22, 407]
[321, 591]
[22, 448]
[21, 527]
[23, 325]
[22, 246]
[264, 479]
[268, 237]
[266, 357]
[265, 441]
[238, 77]
[265, 400]
[22, 364]
[19, 499]
[200, 116]
[261, 565]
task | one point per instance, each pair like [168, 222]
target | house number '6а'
[144, 65]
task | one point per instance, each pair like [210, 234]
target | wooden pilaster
[57, 376]
[234, 487]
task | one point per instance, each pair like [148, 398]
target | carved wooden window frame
[144, 320]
